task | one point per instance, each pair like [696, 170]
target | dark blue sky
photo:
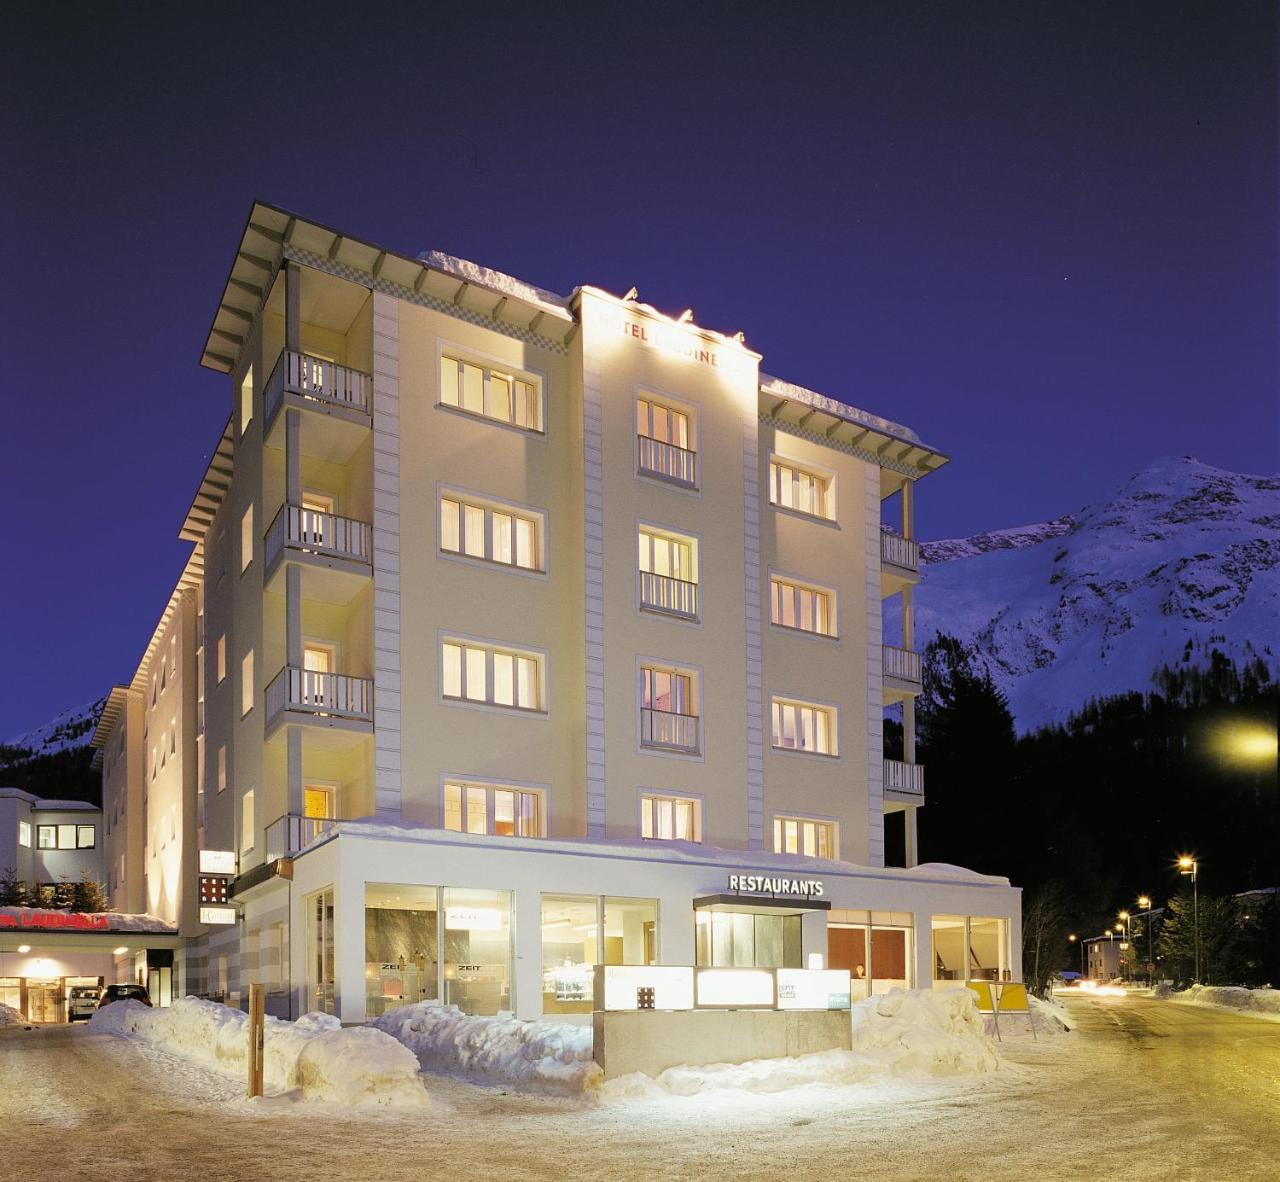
[1043, 234]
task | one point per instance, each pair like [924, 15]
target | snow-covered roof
[40, 804]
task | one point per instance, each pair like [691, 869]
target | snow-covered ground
[1263, 1003]
[1193, 1091]
[313, 1056]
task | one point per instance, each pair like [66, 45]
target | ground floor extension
[369, 917]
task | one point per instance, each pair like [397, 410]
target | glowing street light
[1144, 901]
[1188, 867]
[1074, 939]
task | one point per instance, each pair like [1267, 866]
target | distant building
[1102, 954]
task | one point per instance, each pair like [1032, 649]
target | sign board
[761, 884]
[473, 919]
[217, 861]
[813, 989]
[74, 920]
[217, 915]
[214, 889]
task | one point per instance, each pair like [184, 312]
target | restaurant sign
[758, 884]
[57, 919]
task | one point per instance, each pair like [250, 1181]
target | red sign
[70, 919]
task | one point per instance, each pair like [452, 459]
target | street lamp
[1123, 928]
[1144, 901]
[1188, 867]
[1074, 939]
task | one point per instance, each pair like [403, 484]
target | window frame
[24, 834]
[646, 666]
[540, 792]
[42, 831]
[491, 650]
[797, 584]
[814, 471]
[653, 531]
[650, 798]
[831, 709]
[488, 366]
[829, 824]
[692, 415]
[248, 539]
[466, 498]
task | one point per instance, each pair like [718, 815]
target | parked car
[124, 993]
[81, 1002]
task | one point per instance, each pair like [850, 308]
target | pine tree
[89, 896]
[1219, 937]
[13, 891]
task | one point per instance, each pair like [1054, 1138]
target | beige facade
[472, 557]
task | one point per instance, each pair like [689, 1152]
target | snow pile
[543, 1056]
[1234, 997]
[354, 1067]
[924, 1034]
[11, 1017]
[1049, 1015]
[831, 1068]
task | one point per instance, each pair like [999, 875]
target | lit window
[485, 808]
[222, 658]
[799, 835]
[246, 401]
[807, 609]
[669, 709]
[247, 694]
[491, 393]
[477, 673]
[24, 833]
[317, 802]
[86, 837]
[246, 539]
[670, 818]
[668, 565]
[796, 488]
[222, 768]
[246, 822]
[803, 726]
[663, 438]
[494, 533]
[67, 837]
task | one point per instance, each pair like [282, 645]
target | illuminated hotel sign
[806, 888]
[73, 919]
[671, 340]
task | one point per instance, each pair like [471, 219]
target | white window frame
[246, 539]
[779, 462]
[248, 822]
[24, 834]
[246, 401]
[490, 368]
[693, 673]
[790, 701]
[221, 663]
[693, 418]
[222, 767]
[492, 649]
[791, 584]
[651, 804]
[466, 499]
[248, 684]
[650, 532]
[831, 826]
[490, 788]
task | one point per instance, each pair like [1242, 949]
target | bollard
[257, 1038]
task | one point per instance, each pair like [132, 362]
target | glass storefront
[406, 929]
[969, 948]
[745, 939]
[320, 959]
[581, 931]
[875, 946]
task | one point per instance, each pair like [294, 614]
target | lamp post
[1123, 928]
[1144, 901]
[1074, 939]
[1189, 867]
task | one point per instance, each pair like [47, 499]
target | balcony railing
[899, 551]
[904, 777]
[289, 835]
[668, 461]
[314, 532]
[662, 593]
[666, 729]
[319, 381]
[902, 664]
[323, 694]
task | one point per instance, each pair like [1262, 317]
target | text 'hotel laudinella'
[524, 634]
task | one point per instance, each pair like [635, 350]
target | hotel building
[523, 633]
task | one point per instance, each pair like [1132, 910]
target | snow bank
[922, 1033]
[541, 1056]
[1050, 1016]
[11, 1017]
[1234, 997]
[314, 1054]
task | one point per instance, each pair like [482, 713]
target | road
[1141, 1090]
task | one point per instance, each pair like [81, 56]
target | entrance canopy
[759, 905]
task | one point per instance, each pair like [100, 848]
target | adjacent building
[523, 633]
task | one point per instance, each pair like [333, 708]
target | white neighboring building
[524, 633]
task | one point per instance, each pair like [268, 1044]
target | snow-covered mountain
[70, 729]
[1179, 559]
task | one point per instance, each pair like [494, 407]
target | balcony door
[317, 511]
[318, 662]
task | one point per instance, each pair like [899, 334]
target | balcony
[322, 539]
[667, 731]
[904, 779]
[901, 673]
[318, 384]
[667, 461]
[288, 836]
[899, 562]
[320, 699]
[671, 596]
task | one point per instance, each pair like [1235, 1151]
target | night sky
[1042, 234]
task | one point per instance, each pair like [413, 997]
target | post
[1195, 918]
[257, 1039]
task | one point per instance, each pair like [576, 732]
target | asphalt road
[1141, 1090]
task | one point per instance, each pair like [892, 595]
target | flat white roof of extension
[483, 294]
[40, 805]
